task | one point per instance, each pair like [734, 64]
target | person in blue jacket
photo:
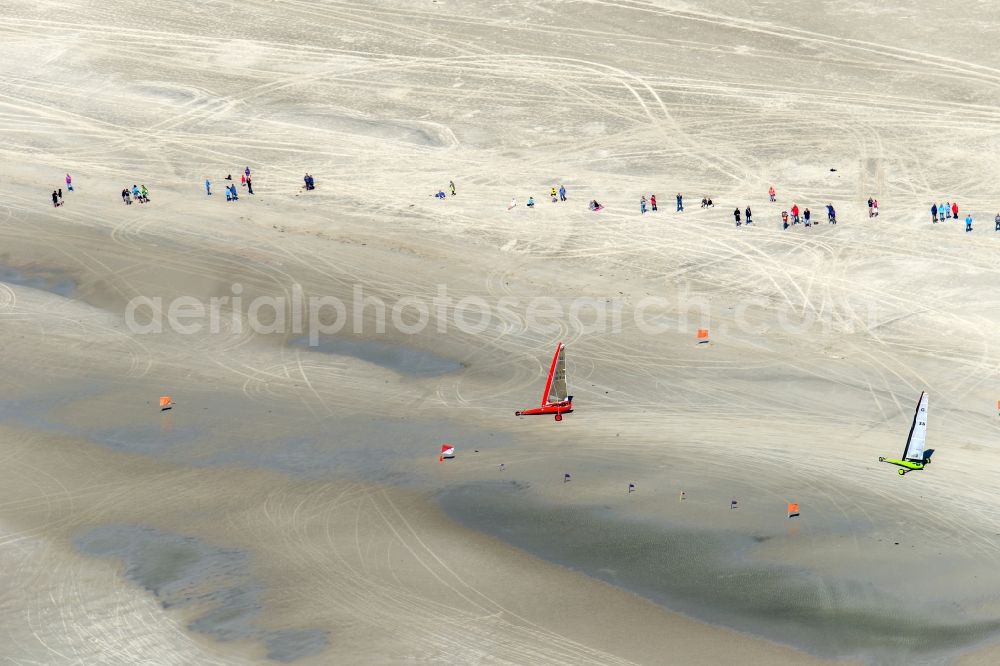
[968, 223]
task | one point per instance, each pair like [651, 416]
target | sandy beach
[319, 346]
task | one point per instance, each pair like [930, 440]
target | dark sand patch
[46, 279]
[404, 360]
[711, 575]
[185, 572]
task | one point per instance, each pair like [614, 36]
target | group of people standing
[140, 194]
[650, 204]
[872, 207]
[945, 211]
[57, 195]
[749, 218]
[231, 193]
[805, 217]
[557, 195]
[949, 210]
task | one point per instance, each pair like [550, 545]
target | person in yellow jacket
[553, 193]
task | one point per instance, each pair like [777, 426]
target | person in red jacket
[795, 213]
[954, 210]
[770, 193]
[652, 201]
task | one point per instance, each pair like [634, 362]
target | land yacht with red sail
[554, 398]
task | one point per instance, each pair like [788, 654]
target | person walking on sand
[748, 218]
[954, 210]
[870, 202]
[59, 192]
[934, 213]
[531, 202]
[831, 214]
[807, 215]
[736, 214]
[642, 204]
[69, 183]
[562, 194]
[125, 197]
[246, 172]
[55, 199]
[944, 211]
[968, 223]
[771, 194]
[875, 206]
[236, 196]
[552, 193]
[680, 203]
[997, 220]
[249, 186]
[795, 213]
[784, 219]
[208, 187]
[451, 185]
[145, 193]
[652, 202]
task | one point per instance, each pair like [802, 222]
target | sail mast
[552, 371]
[918, 431]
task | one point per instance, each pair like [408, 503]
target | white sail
[559, 391]
[918, 432]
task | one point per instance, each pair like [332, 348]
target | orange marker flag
[166, 402]
[702, 335]
[793, 509]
